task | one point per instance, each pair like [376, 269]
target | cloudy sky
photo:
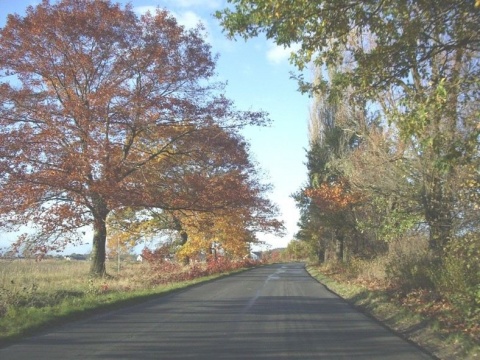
[258, 76]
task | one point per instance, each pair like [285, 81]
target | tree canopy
[101, 109]
[382, 41]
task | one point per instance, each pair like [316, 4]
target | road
[272, 312]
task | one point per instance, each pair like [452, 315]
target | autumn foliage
[333, 197]
[165, 271]
[102, 110]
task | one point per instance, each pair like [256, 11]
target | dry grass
[52, 275]
[16, 274]
[26, 284]
[36, 294]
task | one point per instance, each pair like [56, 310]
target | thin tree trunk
[320, 250]
[438, 215]
[184, 237]
[321, 256]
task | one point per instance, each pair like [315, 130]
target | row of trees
[394, 151]
[113, 121]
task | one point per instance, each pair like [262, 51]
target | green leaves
[382, 41]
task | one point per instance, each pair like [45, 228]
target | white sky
[258, 75]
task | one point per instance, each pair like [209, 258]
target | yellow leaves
[126, 229]
[120, 242]
[226, 230]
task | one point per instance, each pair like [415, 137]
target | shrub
[411, 271]
[159, 255]
[459, 278]
[164, 271]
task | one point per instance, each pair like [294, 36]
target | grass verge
[422, 330]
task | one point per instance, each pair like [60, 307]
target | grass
[407, 319]
[35, 295]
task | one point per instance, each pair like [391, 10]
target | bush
[411, 271]
[459, 278]
[163, 272]
[369, 272]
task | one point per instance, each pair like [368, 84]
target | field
[36, 294]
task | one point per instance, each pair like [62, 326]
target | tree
[414, 61]
[230, 203]
[232, 228]
[98, 109]
[297, 250]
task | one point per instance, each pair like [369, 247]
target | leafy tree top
[101, 109]
[380, 41]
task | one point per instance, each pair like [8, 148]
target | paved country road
[272, 312]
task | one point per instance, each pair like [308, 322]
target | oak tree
[98, 107]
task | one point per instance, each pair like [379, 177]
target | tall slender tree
[326, 201]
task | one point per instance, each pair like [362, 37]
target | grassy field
[34, 295]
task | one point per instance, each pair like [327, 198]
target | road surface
[273, 312]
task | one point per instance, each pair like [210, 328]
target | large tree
[96, 104]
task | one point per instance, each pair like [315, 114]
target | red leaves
[159, 255]
[109, 111]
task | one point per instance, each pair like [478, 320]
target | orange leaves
[333, 197]
[110, 110]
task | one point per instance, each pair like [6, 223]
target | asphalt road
[273, 312]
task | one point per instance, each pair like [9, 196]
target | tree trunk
[321, 256]
[339, 246]
[320, 250]
[184, 237]
[97, 266]
[213, 251]
[438, 216]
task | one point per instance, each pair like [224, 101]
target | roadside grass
[36, 295]
[436, 330]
